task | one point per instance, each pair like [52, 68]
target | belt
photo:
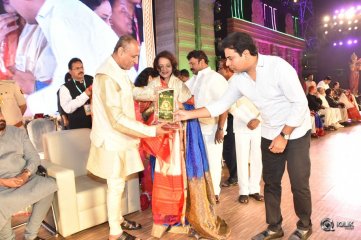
[19, 124]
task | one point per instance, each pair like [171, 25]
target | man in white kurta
[115, 132]
[247, 131]
[208, 86]
[71, 29]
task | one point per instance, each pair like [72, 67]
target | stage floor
[335, 183]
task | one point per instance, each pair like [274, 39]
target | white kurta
[207, 87]
[72, 30]
[248, 146]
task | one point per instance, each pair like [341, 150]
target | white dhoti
[214, 155]
[248, 150]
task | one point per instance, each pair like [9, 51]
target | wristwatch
[285, 136]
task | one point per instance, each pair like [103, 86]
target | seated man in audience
[75, 96]
[315, 104]
[13, 102]
[20, 187]
[309, 82]
[332, 115]
[335, 104]
[324, 83]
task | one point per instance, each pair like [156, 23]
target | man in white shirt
[75, 96]
[273, 86]
[324, 83]
[71, 29]
[208, 86]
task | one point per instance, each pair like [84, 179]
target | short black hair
[327, 78]
[198, 54]
[328, 91]
[123, 42]
[72, 61]
[142, 78]
[92, 4]
[240, 41]
[67, 77]
[184, 72]
[334, 84]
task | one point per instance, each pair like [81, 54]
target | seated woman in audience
[182, 186]
[315, 104]
[350, 104]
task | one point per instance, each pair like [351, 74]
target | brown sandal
[243, 199]
[130, 225]
[257, 197]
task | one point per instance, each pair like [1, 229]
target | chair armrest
[65, 202]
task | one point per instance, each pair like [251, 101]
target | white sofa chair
[80, 201]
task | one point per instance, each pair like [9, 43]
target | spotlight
[349, 22]
[341, 15]
[337, 11]
[340, 30]
[326, 18]
[340, 43]
[325, 25]
[349, 42]
[355, 41]
[326, 32]
[217, 7]
[356, 21]
[341, 22]
[355, 27]
[334, 44]
[349, 28]
[335, 23]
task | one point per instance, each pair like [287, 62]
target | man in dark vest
[75, 96]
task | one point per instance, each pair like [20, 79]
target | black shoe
[300, 235]
[230, 182]
[218, 199]
[268, 234]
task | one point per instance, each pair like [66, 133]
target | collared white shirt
[72, 30]
[69, 104]
[323, 85]
[207, 86]
[277, 93]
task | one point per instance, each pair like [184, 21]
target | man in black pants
[272, 84]
[75, 96]
[229, 150]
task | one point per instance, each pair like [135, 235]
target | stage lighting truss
[342, 27]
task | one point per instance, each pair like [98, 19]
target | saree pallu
[354, 114]
[200, 211]
[182, 187]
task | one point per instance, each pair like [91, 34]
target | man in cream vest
[115, 133]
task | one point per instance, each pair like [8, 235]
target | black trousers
[297, 155]
[229, 150]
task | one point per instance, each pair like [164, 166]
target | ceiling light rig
[342, 27]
